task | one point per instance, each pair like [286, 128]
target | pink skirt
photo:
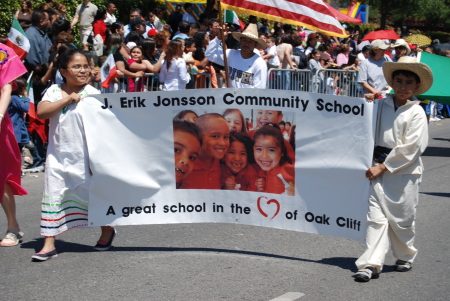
[10, 160]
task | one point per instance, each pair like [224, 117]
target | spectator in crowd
[247, 68]
[24, 14]
[183, 29]
[62, 11]
[188, 16]
[138, 26]
[61, 25]
[194, 28]
[343, 56]
[85, 13]
[311, 42]
[175, 18]
[364, 54]
[135, 13]
[99, 25]
[110, 17]
[40, 42]
[401, 48]
[370, 76]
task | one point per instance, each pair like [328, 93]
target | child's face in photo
[264, 117]
[287, 126]
[236, 157]
[281, 126]
[136, 54]
[269, 43]
[267, 152]
[404, 87]
[216, 138]
[234, 121]
[186, 148]
[191, 117]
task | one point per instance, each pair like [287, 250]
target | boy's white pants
[391, 219]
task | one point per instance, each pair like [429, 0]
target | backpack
[299, 58]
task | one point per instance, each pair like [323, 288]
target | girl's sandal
[11, 239]
[364, 275]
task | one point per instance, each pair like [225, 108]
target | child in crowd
[173, 73]
[271, 56]
[67, 164]
[235, 120]
[271, 156]
[238, 169]
[135, 63]
[187, 115]
[186, 147]
[400, 138]
[215, 136]
[19, 105]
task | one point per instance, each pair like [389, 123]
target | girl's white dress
[65, 199]
[176, 77]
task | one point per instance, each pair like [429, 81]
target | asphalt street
[227, 261]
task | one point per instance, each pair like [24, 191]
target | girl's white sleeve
[163, 72]
[184, 76]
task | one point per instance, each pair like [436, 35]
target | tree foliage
[9, 7]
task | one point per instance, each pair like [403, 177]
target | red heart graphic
[272, 201]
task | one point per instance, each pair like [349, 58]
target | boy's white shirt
[405, 131]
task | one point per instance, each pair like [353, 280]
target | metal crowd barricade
[151, 83]
[289, 79]
[339, 82]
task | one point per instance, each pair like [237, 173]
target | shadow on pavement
[433, 151]
[442, 194]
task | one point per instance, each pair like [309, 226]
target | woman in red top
[100, 25]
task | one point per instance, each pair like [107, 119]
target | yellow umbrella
[418, 39]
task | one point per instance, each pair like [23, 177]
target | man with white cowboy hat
[246, 67]
[401, 48]
[401, 136]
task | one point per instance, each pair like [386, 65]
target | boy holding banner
[401, 137]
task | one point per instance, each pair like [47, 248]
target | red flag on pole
[312, 14]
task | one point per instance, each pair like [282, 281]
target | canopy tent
[340, 16]
[439, 65]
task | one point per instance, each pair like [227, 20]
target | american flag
[312, 14]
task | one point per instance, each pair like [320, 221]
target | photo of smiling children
[215, 137]
[230, 158]
[271, 156]
[239, 171]
[186, 148]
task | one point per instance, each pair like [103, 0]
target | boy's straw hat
[410, 64]
[251, 32]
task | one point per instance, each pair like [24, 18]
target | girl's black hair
[274, 131]
[100, 15]
[115, 26]
[21, 83]
[248, 143]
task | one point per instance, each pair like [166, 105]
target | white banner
[134, 179]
